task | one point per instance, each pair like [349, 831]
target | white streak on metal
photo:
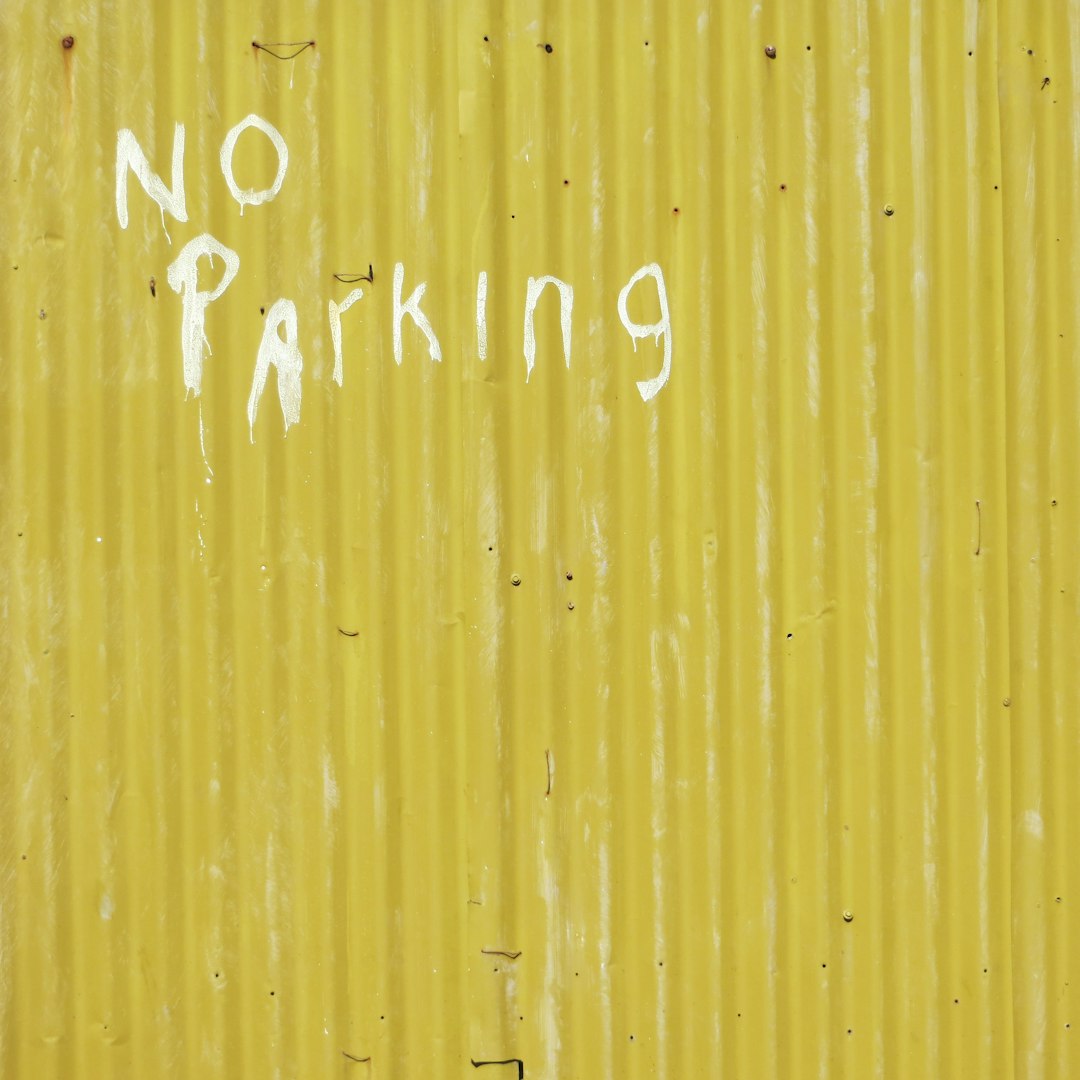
[481, 315]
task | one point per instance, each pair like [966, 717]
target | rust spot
[770, 51]
[68, 41]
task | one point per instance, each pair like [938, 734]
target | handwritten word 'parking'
[280, 345]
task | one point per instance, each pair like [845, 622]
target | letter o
[250, 197]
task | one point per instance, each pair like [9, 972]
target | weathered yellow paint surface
[731, 733]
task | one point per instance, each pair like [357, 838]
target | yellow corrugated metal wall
[728, 733]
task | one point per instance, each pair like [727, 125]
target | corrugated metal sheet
[495, 714]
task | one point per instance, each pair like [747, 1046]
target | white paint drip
[481, 314]
[202, 447]
[649, 388]
[335, 311]
[198, 531]
[183, 276]
[411, 307]
[566, 306]
[284, 355]
[250, 197]
[129, 155]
